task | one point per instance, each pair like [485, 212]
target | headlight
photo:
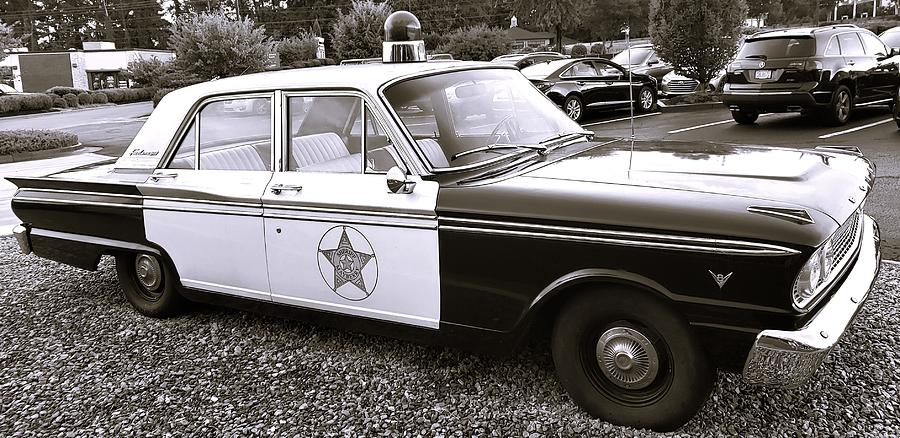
[814, 272]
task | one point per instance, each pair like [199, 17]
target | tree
[699, 37]
[7, 40]
[476, 43]
[360, 32]
[605, 18]
[152, 72]
[298, 48]
[556, 14]
[211, 45]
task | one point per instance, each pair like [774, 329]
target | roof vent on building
[98, 45]
[403, 39]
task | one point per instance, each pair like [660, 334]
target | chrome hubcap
[149, 273]
[646, 99]
[627, 358]
[843, 105]
[573, 109]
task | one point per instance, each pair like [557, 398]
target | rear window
[784, 47]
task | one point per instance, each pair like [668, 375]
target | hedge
[61, 91]
[84, 99]
[59, 102]
[100, 98]
[71, 100]
[162, 92]
[128, 95]
[27, 140]
[25, 102]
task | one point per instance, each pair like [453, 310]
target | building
[523, 38]
[98, 65]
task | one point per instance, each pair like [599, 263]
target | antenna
[627, 30]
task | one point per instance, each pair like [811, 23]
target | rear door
[204, 207]
[336, 238]
[859, 64]
[585, 78]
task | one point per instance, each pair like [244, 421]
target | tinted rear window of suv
[778, 47]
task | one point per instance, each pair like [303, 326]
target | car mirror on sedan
[398, 182]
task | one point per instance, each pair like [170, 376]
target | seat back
[317, 148]
[432, 150]
[244, 157]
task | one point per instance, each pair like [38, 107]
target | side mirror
[398, 182]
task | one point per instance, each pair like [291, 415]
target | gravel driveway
[76, 360]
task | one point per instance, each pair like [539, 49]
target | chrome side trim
[28, 200]
[202, 210]
[350, 221]
[349, 211]
[767, 93]
[100, 241]
[796, 215]
[627, 238]
[203, 201]
[80, 192]
[21, 234]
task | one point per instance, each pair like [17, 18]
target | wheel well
[540, 324]
[849, 83]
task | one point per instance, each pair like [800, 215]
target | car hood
[689, 188]
[809, 179]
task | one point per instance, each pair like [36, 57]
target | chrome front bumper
[21, 235]
[788, 358]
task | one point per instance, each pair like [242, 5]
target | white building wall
[79, 76]
[12, 60]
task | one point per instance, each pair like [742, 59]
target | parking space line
[707, 125]
[858, 128]
[620, 120]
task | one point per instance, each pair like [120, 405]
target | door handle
[158, 176]
[851, 63]
[278, 188]
[579, 83]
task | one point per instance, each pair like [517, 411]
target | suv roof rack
[834, 26]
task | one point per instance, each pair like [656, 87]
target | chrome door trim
[27, 200]
[225, 203]
[362, 212]
[100, 241]
[637, 239]
[394, 224]
[202, 210]
[80, 192]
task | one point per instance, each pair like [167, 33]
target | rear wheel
[627, 358]
[149, 285]
[841, 104]
[744, 116]
[646, 100]
[574, 108]
[896, 108]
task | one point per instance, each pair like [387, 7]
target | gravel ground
[76, 360]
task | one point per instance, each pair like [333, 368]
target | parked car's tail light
[542, 85]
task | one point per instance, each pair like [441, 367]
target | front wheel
[574, 108]
[627, 358]
[744, 116]
[646, 100]
[149, 285]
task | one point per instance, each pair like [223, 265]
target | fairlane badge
[720, 279]
[143, 153]
[341, 262]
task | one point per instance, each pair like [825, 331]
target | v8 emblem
[720, 279]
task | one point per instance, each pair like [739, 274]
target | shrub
[475, 43]
[162, 92]
[212, 45]
[71, 100]
[85, 99]
[360, 32]
[579, 51]
[59, 102]
[25, 102]
[61, 91]
[100, 98]
[26, 140]
[598, 49]
[128, 95]
[298, 48]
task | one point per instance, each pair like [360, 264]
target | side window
[653, 59]
[582, 69]
[851, 45]
[325, 134]
[833, 47]
[874, 46]
[380, 152]
[235, 134]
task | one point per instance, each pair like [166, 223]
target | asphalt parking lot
[870, 128]
[76, 359]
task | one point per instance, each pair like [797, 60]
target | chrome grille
[843, 242]
[683, 86]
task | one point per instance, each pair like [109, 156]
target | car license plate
[763, 74]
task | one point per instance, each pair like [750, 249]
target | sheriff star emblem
[346, 264]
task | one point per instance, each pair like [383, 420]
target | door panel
[210, 224]
[343, 243]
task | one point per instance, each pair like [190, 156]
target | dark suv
[822, 70]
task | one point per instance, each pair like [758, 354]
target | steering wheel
[496, 131]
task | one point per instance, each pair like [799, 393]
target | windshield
[456, 112]
[638, 56]
[786, 47]
[891, 38]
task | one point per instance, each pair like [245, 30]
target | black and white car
[487, 221]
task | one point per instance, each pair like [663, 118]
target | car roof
[891, 30]
[805, 32]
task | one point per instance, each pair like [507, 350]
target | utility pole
[106, 23]
[237, 7]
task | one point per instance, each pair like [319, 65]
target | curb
[37, 155]
[689, 107]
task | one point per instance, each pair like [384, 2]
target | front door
[204, 205]
[336, 238]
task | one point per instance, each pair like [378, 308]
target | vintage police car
[486, 221]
